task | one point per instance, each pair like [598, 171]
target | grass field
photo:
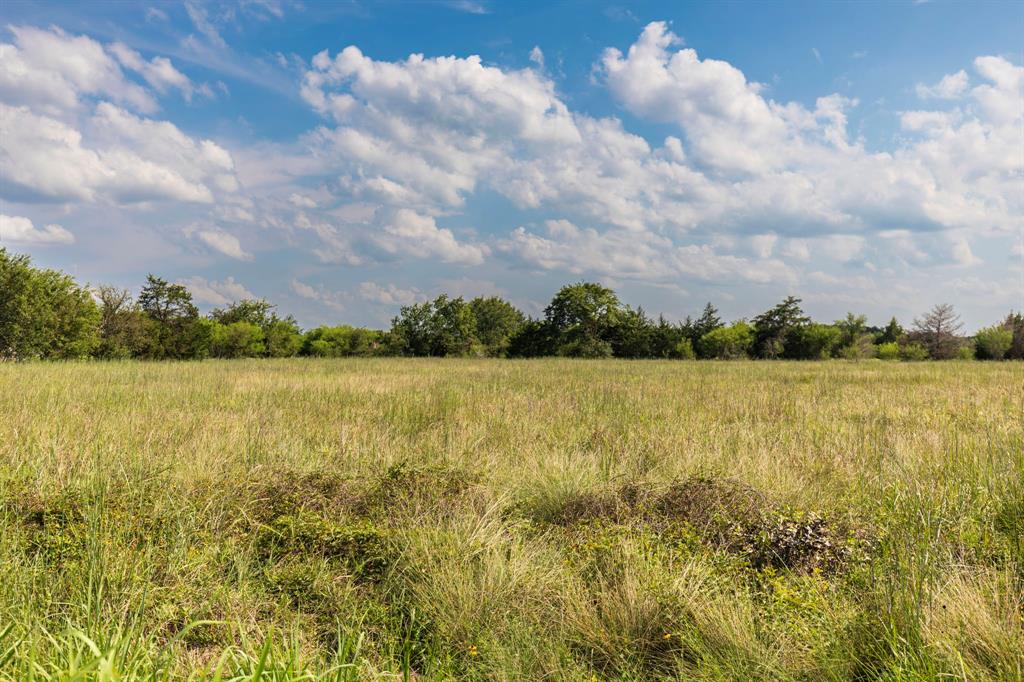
[512, 520]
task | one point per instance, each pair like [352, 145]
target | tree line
[46, 314]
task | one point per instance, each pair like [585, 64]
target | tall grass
[510, 520]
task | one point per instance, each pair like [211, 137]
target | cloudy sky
[341, 160]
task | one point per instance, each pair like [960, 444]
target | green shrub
[683, 350]
[359, 545]
[914, 352]
[727, 343]
[888, 351]
[236, 340]
[992, 343]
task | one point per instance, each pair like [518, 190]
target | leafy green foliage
[236, 340]
[772, 327]
[727, 343]
[342, 341]
[44, 313]
[174, 329]
[993, 343]
[497, 322]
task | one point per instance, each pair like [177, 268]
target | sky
[344, 159]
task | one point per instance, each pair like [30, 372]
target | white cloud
[52, 70]
[216, 293]
[764, 244]
[952, 86]
[334, 300]
[388, 294]
[961, 252]
[301, 201]
[201, 20]
[159, 72]
[129, 159]
[406, 232]
[220, 241]
[537, 56]
[797, 249]
[417, 137]
[21, 231]
[631, 255]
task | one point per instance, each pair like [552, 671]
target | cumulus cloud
[220, 241]
[643, 256]
[332, 299]
[406, 232]
[20, 231]
[417, 137]
[216, 293]
[388, 294]
[743, 188]
[130, 159]
[952, 86]
[52, 70]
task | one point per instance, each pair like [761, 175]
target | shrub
[727, 343]
[914, 352]
[992, 343]
[811, 341]
[342, 341]
[683, 350]
[888, 351]
[236, 340]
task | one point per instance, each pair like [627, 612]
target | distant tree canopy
[45, 314]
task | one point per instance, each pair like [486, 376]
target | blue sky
[864, 156]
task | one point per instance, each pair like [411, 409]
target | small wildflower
[472, 650]
[667, 636]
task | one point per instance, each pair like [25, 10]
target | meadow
[512, 520]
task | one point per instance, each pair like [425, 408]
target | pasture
[512, 520]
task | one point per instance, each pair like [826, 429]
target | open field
[548, 519]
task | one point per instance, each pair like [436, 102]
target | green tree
[888, 351]
[855, 341]
[666, 339]
[411, 329]
[452, 328]
[772, 327]
[44, 313]
[342, 341]
[536, 338]
[1015, 323]
[174, 329]
[707, 322]
[812, 341]
[893, 333]
[993, 343]
[239, 339]
[633, 334]
[584, 316]
[282, 338]
[727, 343]
[497, 321]
[122, 326]
[254, 311]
